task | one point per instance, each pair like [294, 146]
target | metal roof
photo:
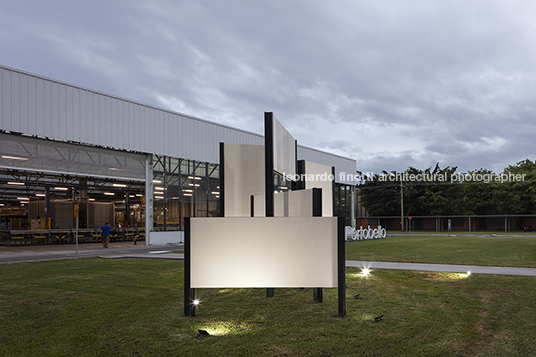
[35, 105]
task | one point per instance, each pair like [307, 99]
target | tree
[517, 197]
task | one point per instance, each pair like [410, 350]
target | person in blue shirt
[105, 233]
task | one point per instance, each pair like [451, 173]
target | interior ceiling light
[61, 188]
[119, 185]
[13, 157]
[188, 194]
[91, 199]
[157, 181]
[23, 198]
[139, 195]
[191, 177]
[197, 178]
[40, 194]
[16, 183]
[159, 188]
[116, 169]
[109, 193]
[188, 190]
[215, 193]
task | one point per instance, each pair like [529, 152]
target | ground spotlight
[196, 302]
[378, 319]
[365, 272]
[203, 332]
[469, 273]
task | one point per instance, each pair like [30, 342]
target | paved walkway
[15, 254]
[32, 253]
[387, 265]
[474, 269]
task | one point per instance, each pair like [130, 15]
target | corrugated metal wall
[36, 105]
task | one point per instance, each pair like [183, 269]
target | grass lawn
[101, 307]
[466, 250]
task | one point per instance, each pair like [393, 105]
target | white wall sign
[279, 252]
[368, 233]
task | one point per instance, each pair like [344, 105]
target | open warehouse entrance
[45, 183]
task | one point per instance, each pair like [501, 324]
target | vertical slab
[318, 176]
[189, 293]
[341, 267]
[241, 177]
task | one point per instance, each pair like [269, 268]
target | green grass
[465, 250]
[125, 307]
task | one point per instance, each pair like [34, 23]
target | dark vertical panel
[317, 202]
[318, 295]
[300, 170]
[317, 212]
[333, 191]
[269, 172]
[189, 293]
[181, 184]
[222, 180]
[269, 162]
[252, 206]
[341, 270]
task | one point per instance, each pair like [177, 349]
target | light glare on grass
[226, 328]
[365, 272]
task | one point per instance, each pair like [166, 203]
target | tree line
[443, 191]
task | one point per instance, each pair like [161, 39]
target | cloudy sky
[392, 84]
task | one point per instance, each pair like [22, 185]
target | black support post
[189, 293]
[318, 293]
[222, 180]
[269, 172]
[341, 281]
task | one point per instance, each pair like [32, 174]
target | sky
[391, 84]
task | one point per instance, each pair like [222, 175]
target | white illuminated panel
[281, 204]
[300, 203]
[284, 149]
[244, 176]
[317, 177]
[276, 252]
[293, 204]
[259, 205]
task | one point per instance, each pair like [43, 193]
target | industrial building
[71, 154]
